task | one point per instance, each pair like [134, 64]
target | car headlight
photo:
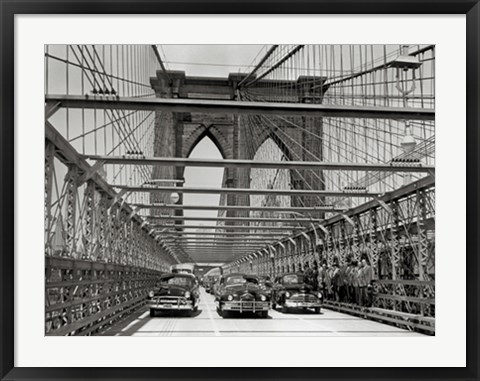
[187, 294]
[320, 295]
[151, 294]
[230, 297]
[287, 294]
[263, 298]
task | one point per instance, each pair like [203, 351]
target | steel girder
[84, 297]
[91, 222]
[381, 231]
[238, 107]
[49, 174]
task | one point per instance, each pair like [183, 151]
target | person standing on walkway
[365, 281]
[336, 281]
[348, 282]
[355, 284]
[315, 276]
[308, 275]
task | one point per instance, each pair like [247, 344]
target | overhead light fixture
[405, 61]
[408, 143]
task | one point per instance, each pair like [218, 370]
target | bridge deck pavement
[207, 322]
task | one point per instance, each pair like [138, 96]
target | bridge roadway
[207, 322]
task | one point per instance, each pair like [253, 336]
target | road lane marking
[210, 315]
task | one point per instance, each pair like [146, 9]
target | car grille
[168, 299]
[304, 298]
[247, 305]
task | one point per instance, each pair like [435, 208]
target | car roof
[172, 275]
[294, 273]
[240, 274]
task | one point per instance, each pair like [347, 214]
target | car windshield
[239, 279]
[292, 279]
[178, 281]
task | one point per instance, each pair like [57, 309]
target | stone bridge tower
[176, 134]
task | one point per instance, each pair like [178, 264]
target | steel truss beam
[278, 192]
[214, 247]
[245, 234]
[238, 107]
[215, 239]
[388, 230]
[228, 227]
[111, 238]
[232, 219]
[229, 248]
[279, 209]
[230, 163]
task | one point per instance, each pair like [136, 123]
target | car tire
[153, 313]
[263, 314]
[317, 310]
[223, 313]
[274, 306]
[284, 309]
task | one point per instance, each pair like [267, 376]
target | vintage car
[241, 293]
[291, 291]
[175, 292]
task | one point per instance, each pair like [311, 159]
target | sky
[210, 60]
[204, 178]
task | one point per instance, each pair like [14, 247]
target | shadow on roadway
[242, 315]
[177, 314]
[133, 324]
[297, 311]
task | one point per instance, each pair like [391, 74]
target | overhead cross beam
[284, 210]
[233, 244]
[246, 234]
[220, 247]
[230, 241]
[229, 227]
[218, 239]
[231, 163]
[229, 219]
[278, 192]
[239, 107]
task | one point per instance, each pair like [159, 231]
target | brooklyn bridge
[245, 163]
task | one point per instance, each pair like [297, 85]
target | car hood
[297, 287]
[243, 288]
[171, 290]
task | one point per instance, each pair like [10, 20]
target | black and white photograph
[240, 190]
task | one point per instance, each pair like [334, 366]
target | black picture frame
[10, 8]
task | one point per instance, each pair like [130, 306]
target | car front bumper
[170, 304]
[300, 304]
[245, 306]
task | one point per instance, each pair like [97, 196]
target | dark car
[175, 292]
[241, 293]
[291, 291]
